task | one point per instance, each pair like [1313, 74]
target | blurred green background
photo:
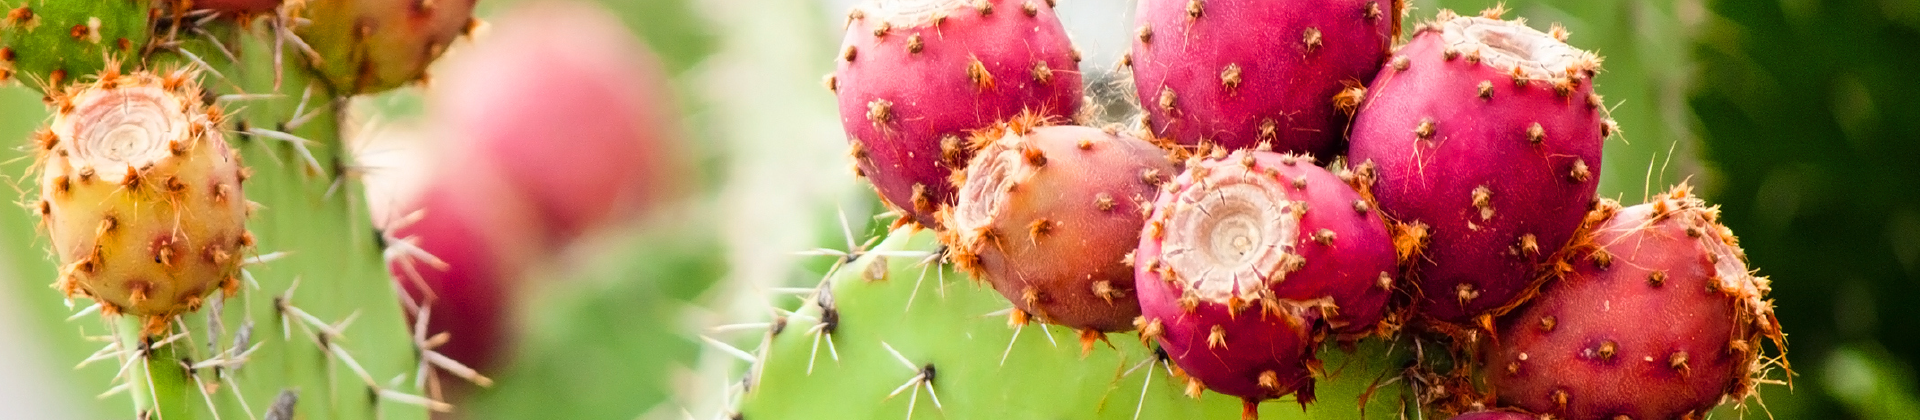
[1799, 117]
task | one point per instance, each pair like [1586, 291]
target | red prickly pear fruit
[1239, 73]
[576, 115]
[1499, 415]
[370, 46]
[1485, 136]
[1248, 259]
[1048, 214]
[1255, 217]
[235, 7]
[915, 76]
[142, 196]
[481, 240]
[1659, 318]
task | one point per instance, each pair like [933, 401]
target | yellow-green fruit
[141, 195]
[369, 46]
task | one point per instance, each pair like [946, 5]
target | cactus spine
[141, 190]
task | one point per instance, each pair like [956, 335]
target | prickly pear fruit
[142, 195]
[369, 46]
[574, 113]
[52, 43]
[1247, 261]
[1255, 217]
[1238, 73]
[1484, 134]
[1499, 415]
[1047, 215]
[1658, 319]
[915, 76]
[481, 240]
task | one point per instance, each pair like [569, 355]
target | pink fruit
[1659, 319]
[1248, 260]
[1486, 134]
[915, 76]
[483, 253]
[1238, 73]
[576, 114]
[1048, 215]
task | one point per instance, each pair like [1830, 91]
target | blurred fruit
[370, 46]
[555, 125]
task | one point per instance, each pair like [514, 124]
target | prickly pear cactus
[199, 199]
[894, 334]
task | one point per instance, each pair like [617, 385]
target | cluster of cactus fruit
[1457, 209]
[194, 257]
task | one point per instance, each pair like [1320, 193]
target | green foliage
[1811, 120]
[63, 40]
[890, 300]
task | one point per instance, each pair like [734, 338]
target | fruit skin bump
[1249, 260]
[915, 76]
[142, 196]
[371, 46]
[1048, 214]
[1660, 318]
[1240, 73]
[1483, 135]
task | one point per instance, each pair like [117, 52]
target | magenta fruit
[577, 117]
[1659, 319]
[915, 76]
[142, 196]
[483, 243]
[1048, 214]
[1239, 73]
[555, 127]
[1245, 256]
[1486, 134]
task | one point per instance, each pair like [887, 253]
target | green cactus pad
[958, 327]
[52, 42]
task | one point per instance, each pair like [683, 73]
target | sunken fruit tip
[914, 77]
[1660, 318]
[1248, 260]
[1482, 138]
[142, 196]
[1047, 215]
